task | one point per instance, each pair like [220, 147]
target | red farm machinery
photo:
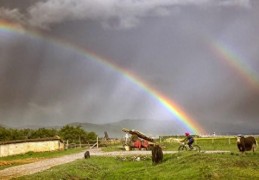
[137, 140]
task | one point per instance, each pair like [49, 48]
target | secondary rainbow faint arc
[190, 123]
[237, 63]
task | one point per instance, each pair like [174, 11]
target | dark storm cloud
[46, 84]
[166, 43]
[248, 106]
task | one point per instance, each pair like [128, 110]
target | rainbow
[189, 123]
[237, 63]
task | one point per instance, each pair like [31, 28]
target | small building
[9, 148]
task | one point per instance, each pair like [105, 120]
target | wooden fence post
[80, 144]
[67, 144]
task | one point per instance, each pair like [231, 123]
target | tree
[15, 134]
[4, 134]
[72, 134]
[91, 136]
[27, 133]
[43, 133]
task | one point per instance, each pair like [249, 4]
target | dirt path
[42, 165]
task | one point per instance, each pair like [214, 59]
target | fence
[92, 144]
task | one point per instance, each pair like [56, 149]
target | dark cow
[246, 143]
[157, 154]
[87, 155]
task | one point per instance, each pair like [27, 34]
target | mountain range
[149, 127]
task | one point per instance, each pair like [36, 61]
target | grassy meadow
[184, 165]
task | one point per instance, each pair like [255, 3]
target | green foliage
[72, 134]
[75, 134]
[26, 133]
[91, 136]
[43, 133]
[21, 134]
[4, 134]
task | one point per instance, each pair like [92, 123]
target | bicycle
[184, 147]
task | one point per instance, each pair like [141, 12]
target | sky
[105, 61]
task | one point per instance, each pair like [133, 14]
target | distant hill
[155, 128]
[232, 129]
[1, 125]
[148, 127]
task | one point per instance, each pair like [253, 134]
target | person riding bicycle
[189, 139]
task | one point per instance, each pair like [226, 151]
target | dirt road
[42, 165]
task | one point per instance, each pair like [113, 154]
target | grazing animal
[157, 154]
[87, 154]
[246, 143]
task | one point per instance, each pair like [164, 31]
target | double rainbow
[189, 124]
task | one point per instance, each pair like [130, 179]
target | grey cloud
[125, 14]
[244, 3]
[12, 14]
[110, 13]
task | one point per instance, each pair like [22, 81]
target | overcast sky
[175, 46]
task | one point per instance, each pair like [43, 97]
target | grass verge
[185, 165]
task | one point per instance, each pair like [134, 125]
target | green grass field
[184, 165]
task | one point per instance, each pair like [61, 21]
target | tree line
[74, 134]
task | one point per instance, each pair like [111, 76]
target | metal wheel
[196, 148]
[182, 148]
